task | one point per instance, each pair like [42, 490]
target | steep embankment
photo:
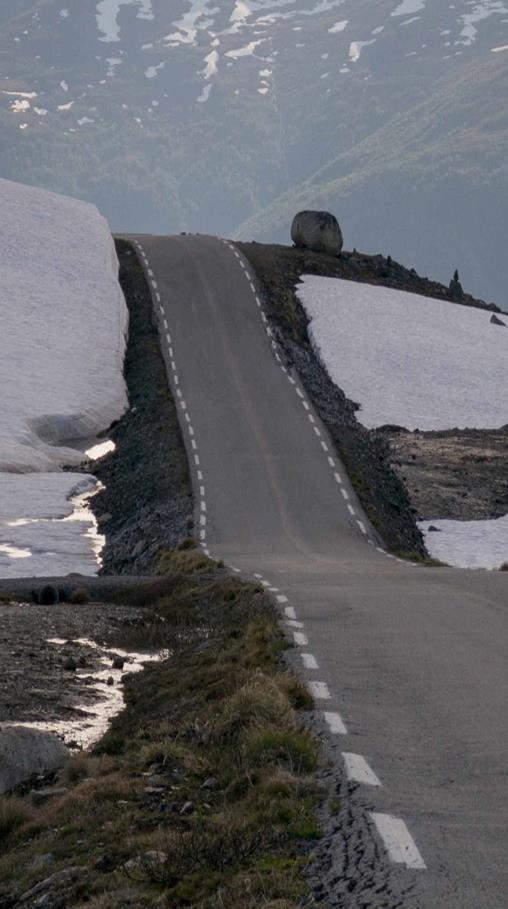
[393, 495]
[147, 499]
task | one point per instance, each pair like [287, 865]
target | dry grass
[215, 727]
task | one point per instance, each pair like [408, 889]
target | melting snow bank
[409, 360]
[468, 544]
[62, 345]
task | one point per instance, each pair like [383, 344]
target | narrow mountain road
[408, 664]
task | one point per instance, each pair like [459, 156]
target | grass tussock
[202, 794]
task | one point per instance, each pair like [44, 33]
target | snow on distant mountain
[64, 323]
[193, 115]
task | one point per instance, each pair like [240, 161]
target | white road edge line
[320, 691]
[301, 640]
[309, 661]
[358, 770]
[398, 841]
[290, 612]
[335, 723]
[281, 598]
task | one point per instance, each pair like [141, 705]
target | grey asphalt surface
[415, 659]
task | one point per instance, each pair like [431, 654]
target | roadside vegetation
[203, 792]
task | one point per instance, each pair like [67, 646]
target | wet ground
[62, 666]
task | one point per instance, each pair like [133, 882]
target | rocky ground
[459, 474]
[400, 476]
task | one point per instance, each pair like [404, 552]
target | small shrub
[14, 812]
[297, 692]
[80, 596]
[504, 567]
[259, 701]
[291, 748]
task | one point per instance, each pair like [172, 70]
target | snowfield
[409, 360]
[416, 362]
[468, 544]
[62, 345]
[42, 532]
[64, 323]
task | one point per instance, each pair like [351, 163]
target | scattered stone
[43, 861]
[70, 664]
[110, 680]
[54, 891]
[138, 549]
[152, 857]
[41, 796]
[118, 662]
[187, 808]
[25, 752]
[495, 321]
[104, 518]
[210, 783]
[433, 529]
[318, 231]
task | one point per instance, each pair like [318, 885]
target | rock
[54, 891]
[110, 680]
[210, 783]
[138, 549]
[70, 664]
[104, 518]
[187, 808]
[152, 857]
[118, 662]
[43, 861]
[318, 231]
[41, 796]
[25, 752]
[433, 529]
[495, 321]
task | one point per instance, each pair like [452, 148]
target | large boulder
[24, 752]
[318, 231]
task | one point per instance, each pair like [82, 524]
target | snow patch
[468, 544]
[406, 359]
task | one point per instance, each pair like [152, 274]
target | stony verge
[147, 500]
[459, 474]
[400, 476]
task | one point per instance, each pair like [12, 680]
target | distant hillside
[188, 115]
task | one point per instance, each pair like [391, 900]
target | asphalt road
[413, 660]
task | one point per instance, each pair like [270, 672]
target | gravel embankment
[147, 495]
